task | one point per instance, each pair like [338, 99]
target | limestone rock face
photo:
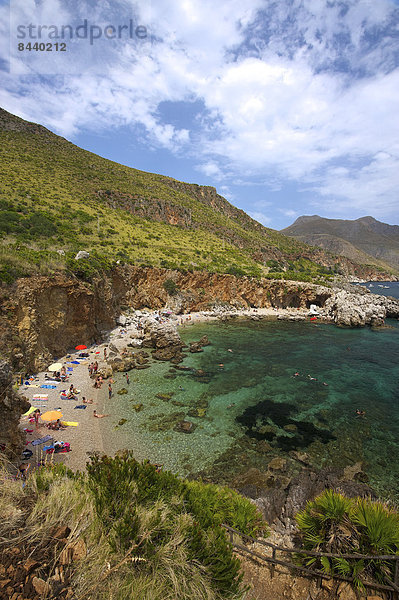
[161, 335]
[358, 310]
[54, 314]
[11, 407]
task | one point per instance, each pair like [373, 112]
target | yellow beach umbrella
[51, 415]
[55, 367]
[32, 408]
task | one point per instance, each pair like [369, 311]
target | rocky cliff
[11, 408]
[43, 317]
[46, 316]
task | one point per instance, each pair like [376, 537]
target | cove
[248, 406]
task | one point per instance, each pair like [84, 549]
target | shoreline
[87, 436]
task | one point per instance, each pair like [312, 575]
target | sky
[287, 107]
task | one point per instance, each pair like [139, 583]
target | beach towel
[40, 397]
[28, 412]
[70, 423]
[81, 406]
[28, 430]
[42, 440]
[69, 368]
[27, 453]
[48, 387]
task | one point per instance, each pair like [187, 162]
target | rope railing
[393, 586]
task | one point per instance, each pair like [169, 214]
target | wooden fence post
[272, 565]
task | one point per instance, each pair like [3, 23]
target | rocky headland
[43, 317]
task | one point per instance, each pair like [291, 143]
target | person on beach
[98, 382]
[22, 470]
[36, 416]
[56, 425]
[127, 378]
[95, 367]
[360, 413]
[98, 416]
[105, 353]
[109, 391]
[88, 401]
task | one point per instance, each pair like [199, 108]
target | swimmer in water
[229, 350]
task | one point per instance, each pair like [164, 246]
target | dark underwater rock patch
[273, 422]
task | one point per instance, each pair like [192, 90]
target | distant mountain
[363, 240]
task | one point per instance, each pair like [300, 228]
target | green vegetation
[158, 537]
[336, 524]
[171, 287]
[57, 199]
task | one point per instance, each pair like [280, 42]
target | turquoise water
[249, 407]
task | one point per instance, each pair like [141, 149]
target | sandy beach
[86, 437]
[83, 438]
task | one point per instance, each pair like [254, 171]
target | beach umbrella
[55, 367]
[51, 415]
[80, 347]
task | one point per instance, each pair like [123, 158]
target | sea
[264, 390]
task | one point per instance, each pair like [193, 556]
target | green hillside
[57, 199]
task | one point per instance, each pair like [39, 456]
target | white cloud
[211, 169]
[260, 217]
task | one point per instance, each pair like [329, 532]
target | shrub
[171, 287]
[334, 523]
[150, 507]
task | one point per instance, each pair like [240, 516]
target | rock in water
[185, 427]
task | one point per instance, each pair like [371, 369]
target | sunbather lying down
[56, 425]
[95, 414]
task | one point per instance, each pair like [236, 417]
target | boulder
[185, 427]
[357, 309]
[121, 365]
[161, 335]
[287, 497]
[82, 254]
[277, 464]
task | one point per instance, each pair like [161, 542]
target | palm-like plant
[336, 524]
[378, 528]
[325, 522]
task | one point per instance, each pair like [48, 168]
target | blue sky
[287, 107]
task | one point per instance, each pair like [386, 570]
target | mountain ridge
[364, 239]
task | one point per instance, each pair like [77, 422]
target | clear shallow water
[253, 408]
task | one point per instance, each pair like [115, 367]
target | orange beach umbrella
[51, 415]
